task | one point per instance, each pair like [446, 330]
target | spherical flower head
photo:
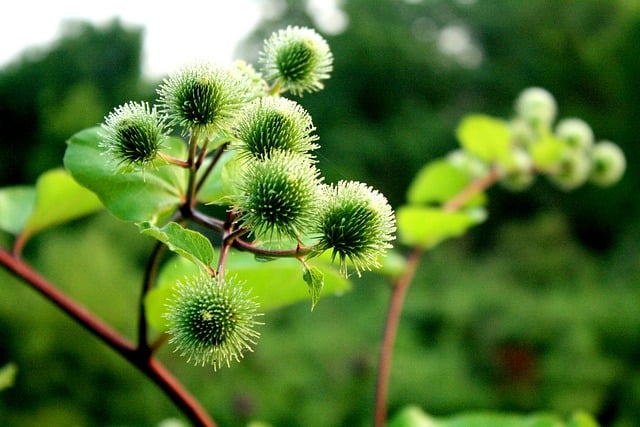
[357, 223]
[537, 106]
[203, 98]
[575, 132]
[274, 123]
[518, 174]
[468, 163]
[298, 58]
[572, 171]
[609, 164]
[212, 323]
[256, 86]
[522, 134]
[133, 134]
[279, 195]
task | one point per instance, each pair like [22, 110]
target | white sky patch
[174, 33]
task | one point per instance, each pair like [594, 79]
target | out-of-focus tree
[46, 95]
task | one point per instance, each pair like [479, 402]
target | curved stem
[172, 160]
[193, 170]
[475, 187]
[218, 225]
[399, 292]
[148, 365]
[396, 302]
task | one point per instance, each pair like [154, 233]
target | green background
[535, 310]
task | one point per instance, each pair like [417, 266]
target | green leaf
[426, 227]
[188, 243]
[274, 284]
[582, 419]
[8, 375]
[315, 280]
[16, 204]
[213, 190]
[151, 195]
[58, 199]
[413, 416]
[155, 304]
[392, 265]
[231, 170]
[547, 152]
[486, 137]
[438, 182]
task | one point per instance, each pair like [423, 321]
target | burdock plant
[227, 136]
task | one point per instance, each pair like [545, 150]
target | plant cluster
[448, 196]
[246, 147]
[224, 159]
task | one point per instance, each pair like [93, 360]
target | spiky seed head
[537, 106]
[212, 323]
[274, 123]
[575, 132]
[357, 223]
[609, 163]
[279, 195]
[298, 58]
[203, 98]
[133, 133]
[257, 86]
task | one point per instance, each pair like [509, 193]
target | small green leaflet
[59, 199]
[547, 152]
[438, 182]
[413, 416]
[16, 204]
[426, 227]
[56, 199]
[315, 280]
[8, 375]
[485, 137]
[188, 243]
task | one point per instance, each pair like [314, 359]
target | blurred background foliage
[537, 309]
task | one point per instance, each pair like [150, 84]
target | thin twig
[218, 225]
[150, 274]
[193, 170]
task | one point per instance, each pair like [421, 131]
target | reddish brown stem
[471, 190]
[148, 365]
[399, 292]
[391, 327]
